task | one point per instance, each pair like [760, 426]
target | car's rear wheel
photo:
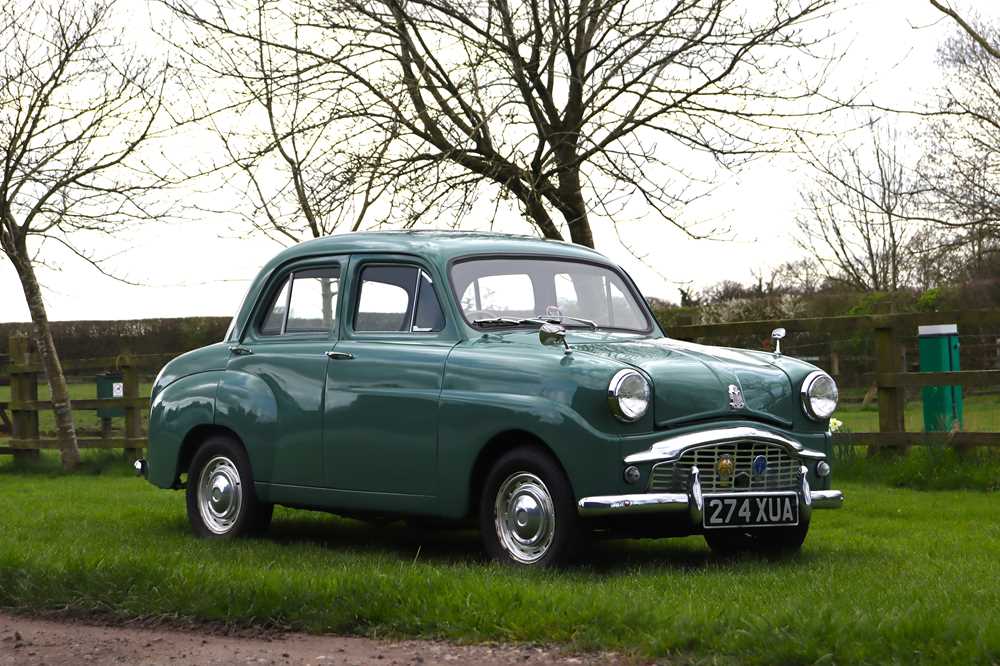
[762, 540]
[221, 500]
[527, 513]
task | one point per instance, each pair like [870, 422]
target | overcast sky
[201, 267]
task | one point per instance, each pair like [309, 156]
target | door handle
[240, 350]
[340, 356]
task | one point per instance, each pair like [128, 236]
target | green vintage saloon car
[518, 383]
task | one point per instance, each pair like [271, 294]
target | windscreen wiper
[558, 319]
[507, 321]
[538, 319]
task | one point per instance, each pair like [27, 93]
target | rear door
[384, 380]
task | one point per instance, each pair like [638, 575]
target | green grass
[897, 576]
[981, 414]
[922, 468]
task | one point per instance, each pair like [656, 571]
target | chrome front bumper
[693, 501]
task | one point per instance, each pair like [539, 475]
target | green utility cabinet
[939, 353]
[110, 385]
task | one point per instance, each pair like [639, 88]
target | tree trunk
[65, 426]
[534, 207]
[574, 208]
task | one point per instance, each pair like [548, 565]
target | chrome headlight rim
[621, 412]
[807, 395]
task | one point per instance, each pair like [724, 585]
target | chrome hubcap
[525, 517]
[220, 494]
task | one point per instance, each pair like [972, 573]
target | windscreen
[550, 288]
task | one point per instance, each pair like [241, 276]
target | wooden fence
[19, 417]
[889, 376]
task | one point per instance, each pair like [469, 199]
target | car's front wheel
[762, 540]
[221, 500]
[527, 514]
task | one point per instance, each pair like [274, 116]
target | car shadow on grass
[462, 546]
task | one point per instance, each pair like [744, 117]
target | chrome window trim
[670, 449]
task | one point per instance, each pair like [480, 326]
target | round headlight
[819, 395]
[628, 395]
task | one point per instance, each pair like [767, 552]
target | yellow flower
[836, 425]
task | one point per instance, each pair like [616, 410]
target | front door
[273, 392]
[384, 380]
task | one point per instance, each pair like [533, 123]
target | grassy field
[981, 414]
[897, 576]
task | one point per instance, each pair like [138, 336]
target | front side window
[397, 299]
[305, 303]
[274, 322]
[496, 291]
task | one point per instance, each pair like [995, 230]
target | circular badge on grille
[759, 465]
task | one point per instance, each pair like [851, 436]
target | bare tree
[962, 166]
[74, 109]
[569, 108]
[861, 218]
[285, 141]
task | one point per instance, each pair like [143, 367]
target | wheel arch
[196, 437]
[496, 447]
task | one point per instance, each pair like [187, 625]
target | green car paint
[405, 425]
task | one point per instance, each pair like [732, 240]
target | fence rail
[19, 416]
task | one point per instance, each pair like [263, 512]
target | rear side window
[397, 299]
[306, 303]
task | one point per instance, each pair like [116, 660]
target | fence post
[891, 399]
[23, 387]
[133, 416]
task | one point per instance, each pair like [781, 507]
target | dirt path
[25, 641]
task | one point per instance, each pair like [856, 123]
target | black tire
[520, 471]
[761, 541]
[230, 466]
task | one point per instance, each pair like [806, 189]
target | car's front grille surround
[781, 474]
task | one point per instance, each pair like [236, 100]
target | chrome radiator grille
[782, 469]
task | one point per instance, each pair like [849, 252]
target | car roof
[441, 246]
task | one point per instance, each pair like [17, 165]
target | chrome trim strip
[805, 495]
[617, 505]
[606, 505]
[670, 449]
[827, 499]
[696, 501]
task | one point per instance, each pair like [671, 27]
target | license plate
[743, 510]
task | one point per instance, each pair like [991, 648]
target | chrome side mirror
[553, 335]
[777, 335]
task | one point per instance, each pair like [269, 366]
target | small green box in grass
[110, 385]
[939, 352]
